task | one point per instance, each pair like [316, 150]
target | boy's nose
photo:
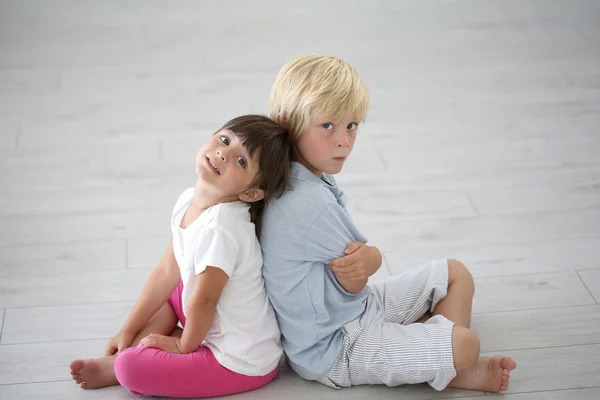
[343, 140]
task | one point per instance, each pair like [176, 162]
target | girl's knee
[457, 272]
[128, 369]
[465, 348]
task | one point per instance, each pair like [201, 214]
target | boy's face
[224, 166]
[326, 145]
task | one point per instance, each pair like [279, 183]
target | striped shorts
[385, 346]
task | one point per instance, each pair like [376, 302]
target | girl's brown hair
[272, 143]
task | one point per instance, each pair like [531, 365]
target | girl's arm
[201, 307]
[160, 284]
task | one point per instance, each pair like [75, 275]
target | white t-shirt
[244, 335]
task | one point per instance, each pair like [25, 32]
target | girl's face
[225, 168]
[327, 144]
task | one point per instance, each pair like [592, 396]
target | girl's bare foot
[94, 373]
[489, 374]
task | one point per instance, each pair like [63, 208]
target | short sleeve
[330, 233]
[215, 248]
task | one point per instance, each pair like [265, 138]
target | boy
[336, 329]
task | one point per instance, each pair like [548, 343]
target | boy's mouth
[211, 164]
[339, 159]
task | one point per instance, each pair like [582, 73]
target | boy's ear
[280, 119]
[252, 195]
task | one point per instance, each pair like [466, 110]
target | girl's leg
[153, 372]
[99, 372]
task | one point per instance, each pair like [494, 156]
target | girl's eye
[328, 125]
[224, 140]
[352, 126]
[242, 162]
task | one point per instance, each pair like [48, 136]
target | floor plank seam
[68, 242]
[457, 112]
[18, 136]
[527, 274]
[74, 305]
[2, 326]
[453, 245]
[487, 244]
[541, 348]
[586, 286]
[385, 165]
[535, 309]
[582, 34]
[161, 151]
[107, 338]
[132, 301]
[127, 254]
[470, 198]
[542, 391]
[34, 383]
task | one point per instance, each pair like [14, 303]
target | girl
[209, 280]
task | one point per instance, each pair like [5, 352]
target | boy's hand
[166, 343]
[360, 262]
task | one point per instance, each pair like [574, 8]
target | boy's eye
[328, 125]
[242, 162]
[352, 126]
[224, 140]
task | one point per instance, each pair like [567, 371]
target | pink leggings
[153, 372]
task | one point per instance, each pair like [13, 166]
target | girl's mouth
[212, 166]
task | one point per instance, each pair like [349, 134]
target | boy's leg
[474, 372]
[412, 295]
[375, 352]
[490, 374]
[443, 287]
[458, 303]
[437, 352]
[99, 372]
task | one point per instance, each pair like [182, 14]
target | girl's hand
[120, 342]
[169, 344]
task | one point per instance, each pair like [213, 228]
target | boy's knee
[458, 272]
[465, 348]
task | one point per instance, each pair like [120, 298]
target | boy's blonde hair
[316, 84]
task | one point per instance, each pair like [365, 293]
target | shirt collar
[301, 173]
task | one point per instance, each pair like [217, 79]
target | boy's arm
[353, 270]
[160, 284]
[332, 235]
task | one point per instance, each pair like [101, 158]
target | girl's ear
[252, 195]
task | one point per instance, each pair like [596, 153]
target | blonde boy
[336, 329]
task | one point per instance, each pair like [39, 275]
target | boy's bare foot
[94, 373]
[489, 374]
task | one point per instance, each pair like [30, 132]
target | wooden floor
[482, 144]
